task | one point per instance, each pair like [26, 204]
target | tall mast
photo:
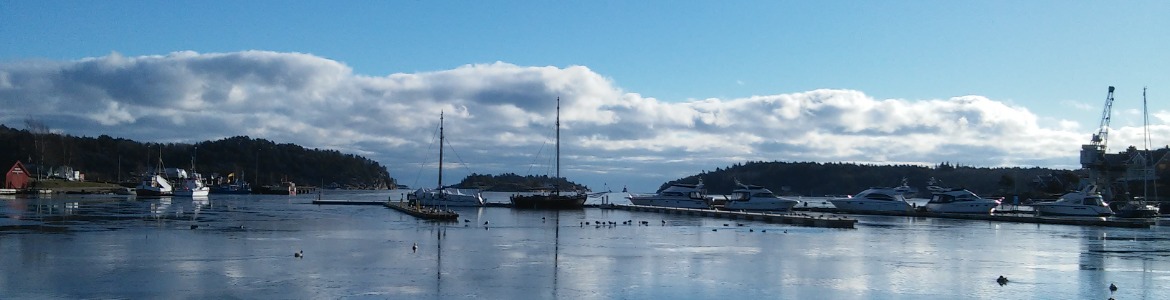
[558, 137]
[440, 149]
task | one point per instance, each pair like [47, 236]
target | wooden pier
[826, 221]
[423, 212]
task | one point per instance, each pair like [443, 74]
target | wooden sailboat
[553, 199]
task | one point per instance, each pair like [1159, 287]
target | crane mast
[1093, 154]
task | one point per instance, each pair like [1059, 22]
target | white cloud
[500, 115]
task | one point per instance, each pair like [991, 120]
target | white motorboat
[754, 197]
[676, 195]
[960, 201]
[1085, 202]
[444, 195]
[880, 199]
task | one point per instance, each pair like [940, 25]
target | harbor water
[242, 247]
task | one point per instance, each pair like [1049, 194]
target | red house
[17, 177]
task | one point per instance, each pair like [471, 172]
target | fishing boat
[443, 195]
[552, 198]
[754, 197]
[193, 184]
[155, 184]
[232, 185]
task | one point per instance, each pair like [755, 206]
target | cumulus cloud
[499, 116]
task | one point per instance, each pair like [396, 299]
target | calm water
[108, 247]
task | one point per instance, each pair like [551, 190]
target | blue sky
[1050, 59]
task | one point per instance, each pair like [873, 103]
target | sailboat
[1136, 208]
[443, 195]
[552, 199]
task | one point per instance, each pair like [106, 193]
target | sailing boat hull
[549, 201]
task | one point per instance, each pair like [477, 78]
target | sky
[651, 91]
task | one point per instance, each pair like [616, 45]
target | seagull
[299, 254]
[1001, 280]
[1112, 288]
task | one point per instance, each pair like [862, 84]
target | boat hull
[862, 205]
[962, 208]
[199, 192]
[446, 198]
[775, 204]
[671, 202]
[1072, 210]
[549, 201]
[148, 192]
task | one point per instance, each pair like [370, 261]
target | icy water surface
[242, 247]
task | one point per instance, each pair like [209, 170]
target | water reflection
[243, 249]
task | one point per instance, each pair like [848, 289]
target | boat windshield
[880, 197]
[739, 196]
[1094, 201]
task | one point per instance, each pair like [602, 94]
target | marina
[244, 246]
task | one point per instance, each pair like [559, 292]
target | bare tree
[39, 131]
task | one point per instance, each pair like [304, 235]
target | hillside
[515, 183]
[818, 179]
[262, 162]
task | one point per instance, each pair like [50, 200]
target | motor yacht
[1085, 202]
[754, 197]
[881, 199]
[960, 201]
[676, 195]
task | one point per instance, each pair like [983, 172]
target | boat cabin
[745, 195]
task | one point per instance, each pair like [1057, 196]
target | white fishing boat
[960, 201]
[754, 197]
[1085, 202]
[444, 195]
[880, 199]
[681, 195]
[192, 187]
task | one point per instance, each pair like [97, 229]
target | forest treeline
[510, 182]
[819, 179]
[262, 162]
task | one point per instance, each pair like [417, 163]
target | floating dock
[347, 202]
[423, 212]
[826, 221]
[1017, 218]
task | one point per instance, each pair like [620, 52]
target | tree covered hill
[262, 162]
[515, 183]
[819, 179]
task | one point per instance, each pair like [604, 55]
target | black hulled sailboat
[553, 199]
